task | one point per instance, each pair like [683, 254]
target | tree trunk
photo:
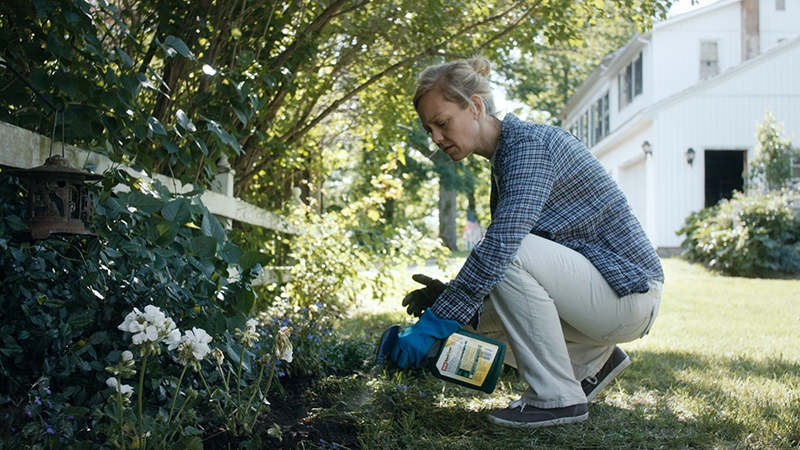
[447, 216]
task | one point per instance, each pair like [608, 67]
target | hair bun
[481, 65]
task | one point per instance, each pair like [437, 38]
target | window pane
[637, 76]
[708, 59]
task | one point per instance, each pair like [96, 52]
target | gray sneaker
[616, 363]
[520, 414]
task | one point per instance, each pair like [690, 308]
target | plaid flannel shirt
[546, 182]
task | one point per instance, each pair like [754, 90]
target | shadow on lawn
[663, 400]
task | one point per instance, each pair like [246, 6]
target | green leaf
[211, 227]
[228, 139]
[16, 223]
[203, 247]
[180, 46]
[184, 122]
[162, 232]
[147, 204]
[124, 57]
[245, 299]
[192, 442]
[240, 115]
[67, 83]
[252, 444]
[155, 126]
[177, 211]
[230, 253]
[250, 259]
[81, 319]
[89, 279]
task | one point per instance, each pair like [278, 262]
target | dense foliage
[755, 235]
[287, 90]
[77, 369]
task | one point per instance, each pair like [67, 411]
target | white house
[672, 115]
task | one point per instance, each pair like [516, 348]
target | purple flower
[50, 431]
[38, 401]
[28, 412]
[47, 389]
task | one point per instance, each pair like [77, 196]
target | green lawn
[719, 370]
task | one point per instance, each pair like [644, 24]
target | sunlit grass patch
[720, 370]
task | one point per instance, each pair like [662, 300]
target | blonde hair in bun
[458, 81]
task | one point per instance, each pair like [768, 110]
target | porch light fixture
[58, 200]
[690, 156]
[647, 149]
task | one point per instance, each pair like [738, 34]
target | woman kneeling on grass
[564, 271]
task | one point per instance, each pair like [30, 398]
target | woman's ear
[476, 105]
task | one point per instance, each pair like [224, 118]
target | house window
[780, 5]
[600, 119]
[630, 82]
[708, 59]
[583, 128]
[795, 170]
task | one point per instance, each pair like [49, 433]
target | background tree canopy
[288, 90]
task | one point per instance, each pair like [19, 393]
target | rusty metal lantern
[59, 200]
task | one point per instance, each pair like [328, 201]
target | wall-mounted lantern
[647, 149]
[690, 156]
[58, 201]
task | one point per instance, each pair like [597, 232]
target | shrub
[753, 235]
[65, 357]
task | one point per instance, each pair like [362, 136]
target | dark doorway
[724, 174]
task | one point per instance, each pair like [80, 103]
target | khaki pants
[560, 320]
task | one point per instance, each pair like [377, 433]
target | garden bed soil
[297, 421]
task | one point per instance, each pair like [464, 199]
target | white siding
[676, 48]
[723, 117]
[633, 181]
[777, 25]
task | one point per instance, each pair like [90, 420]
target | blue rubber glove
[414, 342]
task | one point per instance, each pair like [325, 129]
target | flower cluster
[194, 347]
[148, 327]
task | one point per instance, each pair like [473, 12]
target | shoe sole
[546, 423]
[609, 378]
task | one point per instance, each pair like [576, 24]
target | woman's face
[455, 130]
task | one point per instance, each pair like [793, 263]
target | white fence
[23, 149]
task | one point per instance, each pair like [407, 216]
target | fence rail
[23, 149]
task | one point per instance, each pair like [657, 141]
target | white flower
[122, 388]
[148, 326]
[283, 347]
[286, 355]
[131, 323]
[249, 335]
[173, 339]
[197, 339]
[127, 356]
[251, 324]
[153, 314]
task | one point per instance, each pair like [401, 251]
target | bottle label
[466, 359]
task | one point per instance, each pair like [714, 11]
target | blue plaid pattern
[545, 181]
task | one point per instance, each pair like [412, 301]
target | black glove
[422, 299]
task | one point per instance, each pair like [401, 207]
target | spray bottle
[464, 358]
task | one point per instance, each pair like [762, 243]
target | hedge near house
[753, 235]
